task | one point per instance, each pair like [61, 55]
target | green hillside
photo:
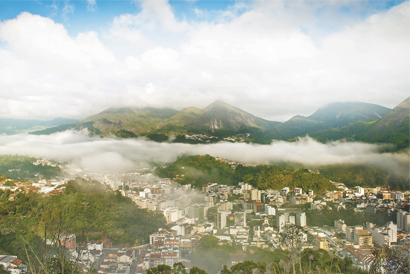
[22, 168]
[86, 208]
[296, 126]
[394, 128]
[344, 113]
[364, 176]
[201, 170]
[329, 118]
[349, 121]
[218, 119]
[120, 122]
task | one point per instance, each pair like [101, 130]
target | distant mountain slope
[332, 116]
[217, 116]
[356, 121]
[126, 122]
[215, 119]
[394, 128]
[16, 126]
[342, 114]
[135, 120]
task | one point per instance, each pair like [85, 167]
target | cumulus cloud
[119, 155]
[270, 58]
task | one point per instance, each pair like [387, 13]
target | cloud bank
[120, 155]
[273, 59]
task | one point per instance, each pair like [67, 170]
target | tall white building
[403, 220]
[173, 214]
[256, 195]
[222, 218]
[270, 210]
[340, 225]
[301, 219]
[385, 235]
[281, 221]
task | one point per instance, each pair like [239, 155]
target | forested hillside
[201, 170]
[86, 208]
[364, 176]
[394, 128]
[22, 167]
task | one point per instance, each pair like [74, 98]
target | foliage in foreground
[86, 208]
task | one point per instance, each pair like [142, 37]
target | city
[240, 215]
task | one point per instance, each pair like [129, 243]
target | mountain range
[16, 126]
[347, 120]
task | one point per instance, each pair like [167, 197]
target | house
[68, 241]
[12, 264]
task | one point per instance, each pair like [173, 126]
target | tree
[60, 264]
[390, 260]
[164, 269]
[196, 270]
[178, 268]
[246, 267]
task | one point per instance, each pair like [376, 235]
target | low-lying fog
[119, 155]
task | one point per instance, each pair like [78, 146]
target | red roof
[16, 262]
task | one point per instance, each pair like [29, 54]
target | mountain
[215, 118]
[218, 119]
[356, 121]
[123, 122]
[394, 128]
[344, 113]
[332, 116]
[16, 126]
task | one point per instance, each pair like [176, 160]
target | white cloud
[263, 57]
[68, 9]
[91, 4]
[160, 58]
[118, 155]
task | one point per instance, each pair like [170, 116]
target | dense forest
[86, 208]
[364, 176]
[366, 132]
[201, 170]
[327, 216]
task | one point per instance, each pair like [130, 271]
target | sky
[274, 59]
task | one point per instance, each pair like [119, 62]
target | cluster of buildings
[46, 187]
[200, 137]
[96, 256]
[247, 216]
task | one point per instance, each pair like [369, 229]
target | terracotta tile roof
[17, 262]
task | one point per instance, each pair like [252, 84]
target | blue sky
[275, 59]
[79, 15]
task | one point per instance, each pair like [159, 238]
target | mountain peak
[404, 104]
[218, 103]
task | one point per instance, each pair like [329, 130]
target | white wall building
[270, 210]
[301, 219]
